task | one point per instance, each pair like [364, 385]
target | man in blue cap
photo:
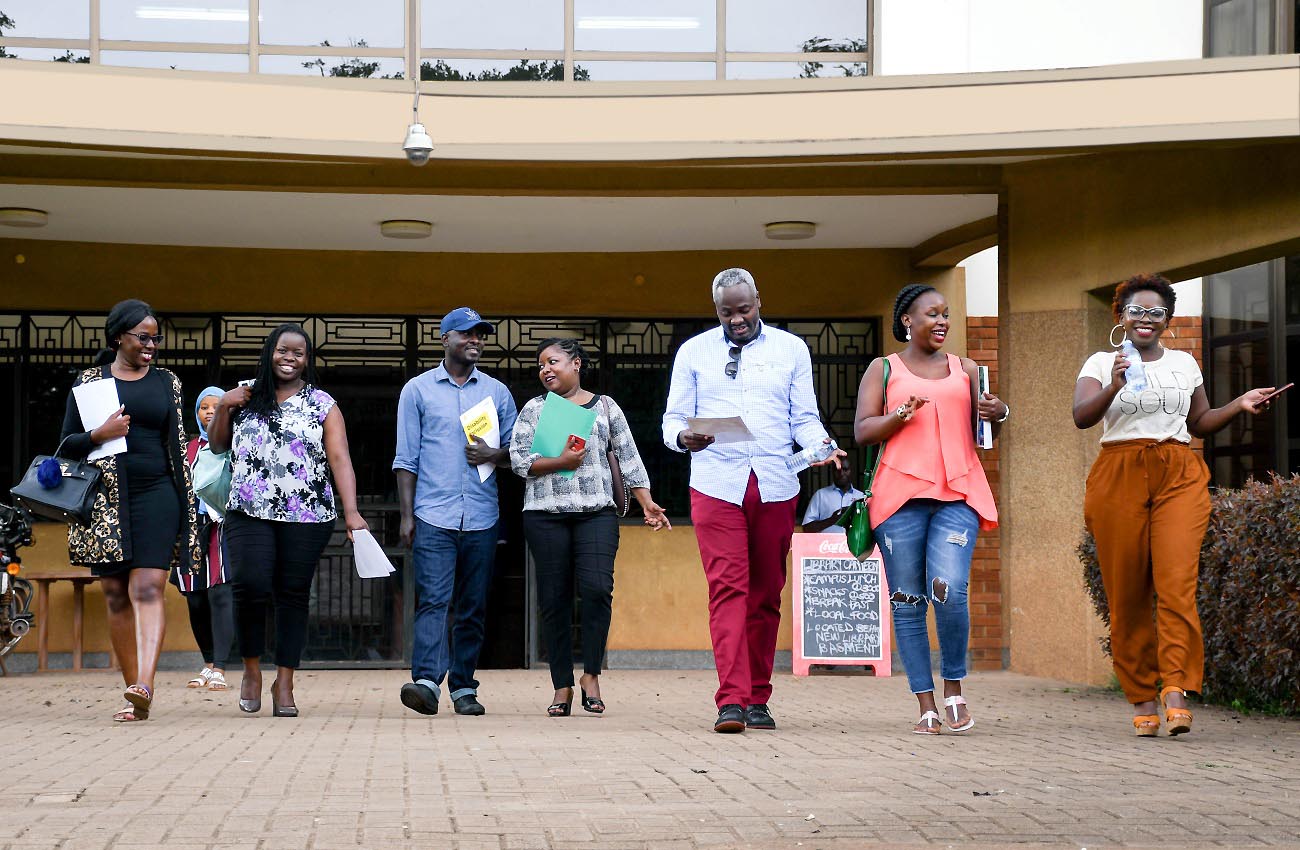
[449, 515]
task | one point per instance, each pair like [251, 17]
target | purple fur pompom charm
[49, 474]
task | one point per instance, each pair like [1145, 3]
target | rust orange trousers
[1147, 505]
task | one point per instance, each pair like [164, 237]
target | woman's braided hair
[903, 302]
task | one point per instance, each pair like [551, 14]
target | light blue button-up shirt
[431, 444]
[826, 502]
[772, 392]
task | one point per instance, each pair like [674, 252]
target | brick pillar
[988, 633]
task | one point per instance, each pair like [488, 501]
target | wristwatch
[902, 413]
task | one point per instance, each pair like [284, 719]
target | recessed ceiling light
[22, 217]
[790, 229]
[405, 228]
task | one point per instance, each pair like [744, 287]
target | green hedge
[1249, 596]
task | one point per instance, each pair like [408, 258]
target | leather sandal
[595, 705]
[201, 679]
[950, 708]
[930, 720]
[1146, 725]
[561, 709]
[125, 715]
[141, 699]
[217, 681]
[1177, 720]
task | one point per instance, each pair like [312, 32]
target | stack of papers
[369, 556]
[481, 421]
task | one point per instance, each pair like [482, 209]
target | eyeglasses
[1136, 311]
[145, 339]
[733, 365]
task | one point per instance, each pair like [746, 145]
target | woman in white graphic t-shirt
[1147, 502]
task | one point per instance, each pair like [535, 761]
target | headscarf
[216, 391]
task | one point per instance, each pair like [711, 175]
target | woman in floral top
[287, 441]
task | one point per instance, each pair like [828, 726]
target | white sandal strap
[958, 699]
[930, 718]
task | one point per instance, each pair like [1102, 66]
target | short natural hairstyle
[732, 277]
[1158, 284]
[569, 346]
[903, 302]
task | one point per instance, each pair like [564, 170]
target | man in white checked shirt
[742, 494]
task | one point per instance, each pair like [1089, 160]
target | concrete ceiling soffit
[949, 248]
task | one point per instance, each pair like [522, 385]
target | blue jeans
[927, 546]
[453, 571]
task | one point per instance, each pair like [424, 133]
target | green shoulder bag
[855, 520]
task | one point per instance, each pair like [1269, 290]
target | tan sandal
[141, 699]
[1146, 725]
[1177, 720]
[126, 715]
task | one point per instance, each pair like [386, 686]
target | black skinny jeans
[272, 561]
[212, 618]
[565, 547]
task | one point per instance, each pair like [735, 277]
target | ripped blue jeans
[927, 546]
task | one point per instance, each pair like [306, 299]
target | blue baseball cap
[462, 319]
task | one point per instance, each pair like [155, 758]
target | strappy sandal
[950, 706]
[217, 681]
[1146, 725]
[595, 705]
[1177, 720]
[141, 698]
[561, 709]
[126, 715]
[931, 722]
[201, 680]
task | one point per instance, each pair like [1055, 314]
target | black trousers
[273, 562]
[212, 618]
[569, 548]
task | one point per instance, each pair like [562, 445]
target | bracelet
[1004, 416]
[901, 413]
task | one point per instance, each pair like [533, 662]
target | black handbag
[58, 488]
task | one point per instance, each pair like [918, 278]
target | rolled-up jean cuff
[431, 685]
[463, 692]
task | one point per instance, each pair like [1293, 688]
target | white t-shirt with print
[1159, 412]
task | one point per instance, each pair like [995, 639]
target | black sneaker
[468, 704]
[421, 698]
[758, 717]
[731, 718]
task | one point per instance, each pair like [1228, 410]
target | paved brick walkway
[1044, 765]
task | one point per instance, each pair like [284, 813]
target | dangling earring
[1170, 331]
[1113, 343]
[908, 333]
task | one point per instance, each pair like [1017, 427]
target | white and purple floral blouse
[278, 467]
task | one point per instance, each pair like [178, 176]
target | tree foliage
[822, 44]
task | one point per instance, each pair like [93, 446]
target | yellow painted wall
[1073, 225]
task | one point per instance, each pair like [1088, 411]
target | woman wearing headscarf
[143, 522]
[289, 457]
[207, 591]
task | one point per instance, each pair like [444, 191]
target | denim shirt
[431, 445]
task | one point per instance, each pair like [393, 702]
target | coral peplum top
[933, 456]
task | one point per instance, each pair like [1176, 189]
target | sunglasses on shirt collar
[733, 365]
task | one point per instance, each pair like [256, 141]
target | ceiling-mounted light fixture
[418, 145]
[790, 230]
[23, 217]
[405, 228]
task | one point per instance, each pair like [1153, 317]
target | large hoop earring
[1113, 343]
[1169, 330]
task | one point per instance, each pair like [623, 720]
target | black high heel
[278, 710]
[595, 705]
[561, 709]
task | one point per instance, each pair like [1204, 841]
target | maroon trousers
[743, 548]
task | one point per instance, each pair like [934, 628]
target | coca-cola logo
[833, 547]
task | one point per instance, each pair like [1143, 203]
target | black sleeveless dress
[154, 509]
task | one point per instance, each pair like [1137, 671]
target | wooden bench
[79, 580]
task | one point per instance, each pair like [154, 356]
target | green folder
[560, 418]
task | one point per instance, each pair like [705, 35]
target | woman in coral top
[930, 497]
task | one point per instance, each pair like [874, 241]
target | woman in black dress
[143, 521]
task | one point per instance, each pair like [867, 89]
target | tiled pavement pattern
[1044, 765]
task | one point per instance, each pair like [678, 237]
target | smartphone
[577, 443]
[1277, 392]
[248, 382]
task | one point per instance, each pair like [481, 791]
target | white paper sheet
[724, 429]
[481, 419]
[96, 401]
[369, 556]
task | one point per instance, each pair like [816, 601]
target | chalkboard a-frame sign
[840, 604]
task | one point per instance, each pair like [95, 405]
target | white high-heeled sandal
[950, 705]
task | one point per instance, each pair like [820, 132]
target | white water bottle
[800, 461]
[1135, 376]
